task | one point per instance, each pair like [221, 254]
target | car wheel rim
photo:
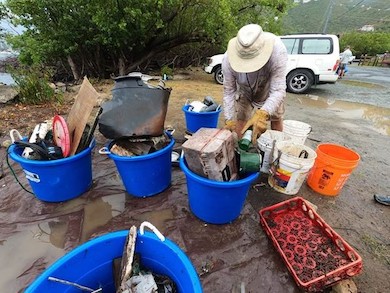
[299, 82]
[220, 77]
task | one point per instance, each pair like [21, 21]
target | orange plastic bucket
[332, 168]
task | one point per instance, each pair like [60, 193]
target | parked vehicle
[312, 59]
[214, 65]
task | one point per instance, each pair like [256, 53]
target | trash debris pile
[50, 140]
[215, 154]
[40, 145]
[208, 105]
[58, 137]
[210, 153]
[146, 281]
[127, 146]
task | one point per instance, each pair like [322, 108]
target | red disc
[61, 134]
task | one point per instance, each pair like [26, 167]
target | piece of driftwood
[127, 259]
[79, 113]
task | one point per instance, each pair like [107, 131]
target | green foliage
[337, 16]
[33, 85]
[101, 37]
[370, 43]
[166, 70]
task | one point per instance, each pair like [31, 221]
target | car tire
[299, 81]
[218, 75]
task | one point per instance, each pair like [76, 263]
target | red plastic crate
[314, 253]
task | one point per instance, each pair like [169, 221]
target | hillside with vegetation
[337, 16]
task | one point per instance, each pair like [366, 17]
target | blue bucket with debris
[144, 175]
[216, 202]
[91, 264]
[57, 180]
[196, 120]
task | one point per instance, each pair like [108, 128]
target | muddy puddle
[379, 116]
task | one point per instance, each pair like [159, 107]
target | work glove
[230, 124]
[258, 123]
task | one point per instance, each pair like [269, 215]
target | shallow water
[6, 78]
[379, 116]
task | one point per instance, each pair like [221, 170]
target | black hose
[13, 172]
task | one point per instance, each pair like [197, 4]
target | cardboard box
[210, 153]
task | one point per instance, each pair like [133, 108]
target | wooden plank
[127, 258]
[78, 116]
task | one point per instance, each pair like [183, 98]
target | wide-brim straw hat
[251, 49]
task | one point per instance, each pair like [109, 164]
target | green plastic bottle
[245, 142]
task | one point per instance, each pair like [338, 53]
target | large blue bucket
[57, 180]
[213, 201]
[196, 120]
[145, 175]
[91, 264]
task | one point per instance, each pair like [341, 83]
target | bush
[166, 70]
[33, 85]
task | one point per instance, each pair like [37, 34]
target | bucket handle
[12, 133]
[151, 227]
[219, 107]
[170, 131]
[188, 101]
[104, 151]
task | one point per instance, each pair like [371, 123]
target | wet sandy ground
[33, 234]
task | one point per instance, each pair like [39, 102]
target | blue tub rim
[18, 158]
[185, 110]
[209, 182]
[110, 236]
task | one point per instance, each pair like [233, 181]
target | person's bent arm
[229, 89]
[278, 73]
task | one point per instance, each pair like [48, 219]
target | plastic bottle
[245, 141]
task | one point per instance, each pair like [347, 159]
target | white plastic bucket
[291, 166]
[297, 130]
[266, 144]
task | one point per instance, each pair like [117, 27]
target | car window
[317, 46]
[291, 45]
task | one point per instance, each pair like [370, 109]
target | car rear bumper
[208, 69]
[328, 78]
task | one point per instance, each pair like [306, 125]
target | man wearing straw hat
[254, 69]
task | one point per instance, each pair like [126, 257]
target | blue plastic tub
[57, 180]
[196, 120]
[91, 264]
[214, 201]
[145, 175]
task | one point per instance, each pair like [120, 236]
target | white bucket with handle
[291, 165]
[266, 144]
[297, 130]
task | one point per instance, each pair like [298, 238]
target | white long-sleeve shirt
[345, 56]
[265, 88]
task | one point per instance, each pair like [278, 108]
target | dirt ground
[234, 253]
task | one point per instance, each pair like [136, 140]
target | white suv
[312, 59]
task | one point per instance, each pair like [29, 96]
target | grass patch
[379, 250]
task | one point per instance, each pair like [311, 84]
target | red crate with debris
[314, 253]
